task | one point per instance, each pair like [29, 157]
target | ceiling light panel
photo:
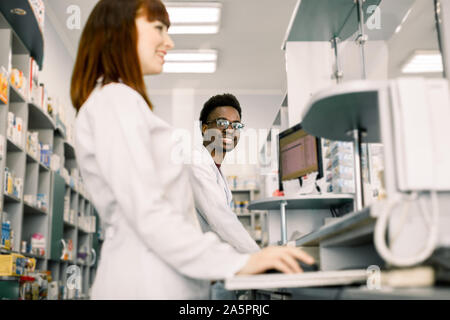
[180, 15]
[191, 56]
[191, 61]
[194, 17]
[424, 62]
[190, 67]
[189, 29]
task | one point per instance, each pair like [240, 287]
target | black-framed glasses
[224, 124]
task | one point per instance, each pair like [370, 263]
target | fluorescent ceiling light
[189, 67]
[185, 14]
[199, 29]
[399, 27]
[424, 62]
[191, 56]
[190, 61]
[194, 17]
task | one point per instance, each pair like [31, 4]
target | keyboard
[305, 267]
[297, 280]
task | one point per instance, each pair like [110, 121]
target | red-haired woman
[154, 248]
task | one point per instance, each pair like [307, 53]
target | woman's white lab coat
[154, 248]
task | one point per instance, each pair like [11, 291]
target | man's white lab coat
[213, 198]
[154, 248]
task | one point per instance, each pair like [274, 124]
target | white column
[445, 14]
[309, 67]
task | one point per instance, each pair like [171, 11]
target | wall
[57, 69]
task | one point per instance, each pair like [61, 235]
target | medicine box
[12, 265]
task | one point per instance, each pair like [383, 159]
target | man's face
[223, 139]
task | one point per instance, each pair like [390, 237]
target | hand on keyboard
[305, 267]
[286, 259]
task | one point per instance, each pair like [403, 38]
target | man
[220, 121]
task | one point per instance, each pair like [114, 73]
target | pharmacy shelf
[4, 251]
[333, 113]
[351, 229]
[15, 95]
[43, 167]
[69, 150]
[80, 230]
[31, 158]
[12, 147]
[28, 208]
[244, 190]
[3, 278]
[60, 129]
[39, 119]
[37, 178]
[70, 225]
[244, 214]
[11, 198]
[302, 202]
[66, 261]
[323, 20]
[26, 27]
[31, 255]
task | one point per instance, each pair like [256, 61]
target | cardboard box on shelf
[12, 265]
[4, 85]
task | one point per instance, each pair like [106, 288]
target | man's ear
[204, 128]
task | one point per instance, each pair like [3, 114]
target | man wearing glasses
[220, 121]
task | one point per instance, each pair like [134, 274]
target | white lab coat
[154, 248]
[213, 203]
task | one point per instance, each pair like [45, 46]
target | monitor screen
[299, 154]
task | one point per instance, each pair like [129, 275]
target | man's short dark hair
[220, 100]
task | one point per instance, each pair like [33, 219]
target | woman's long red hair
[108, 47]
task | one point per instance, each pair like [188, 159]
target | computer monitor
[299, 154]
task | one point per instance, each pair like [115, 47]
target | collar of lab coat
[100, 80]
[221, 180]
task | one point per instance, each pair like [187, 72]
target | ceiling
[249, 45]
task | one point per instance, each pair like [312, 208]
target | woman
[154, 248]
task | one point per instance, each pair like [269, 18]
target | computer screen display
[299, 154]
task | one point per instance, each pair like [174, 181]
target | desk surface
[363, 293]
[305, 279]
[314, 201]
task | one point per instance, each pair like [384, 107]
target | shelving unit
[281, 204]
[25, 28]
[23, 38]
[345, 112]
[348, 112]
[255, 222]
[323, 20]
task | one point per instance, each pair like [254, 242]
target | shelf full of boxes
[48, 221]
[244, 190]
